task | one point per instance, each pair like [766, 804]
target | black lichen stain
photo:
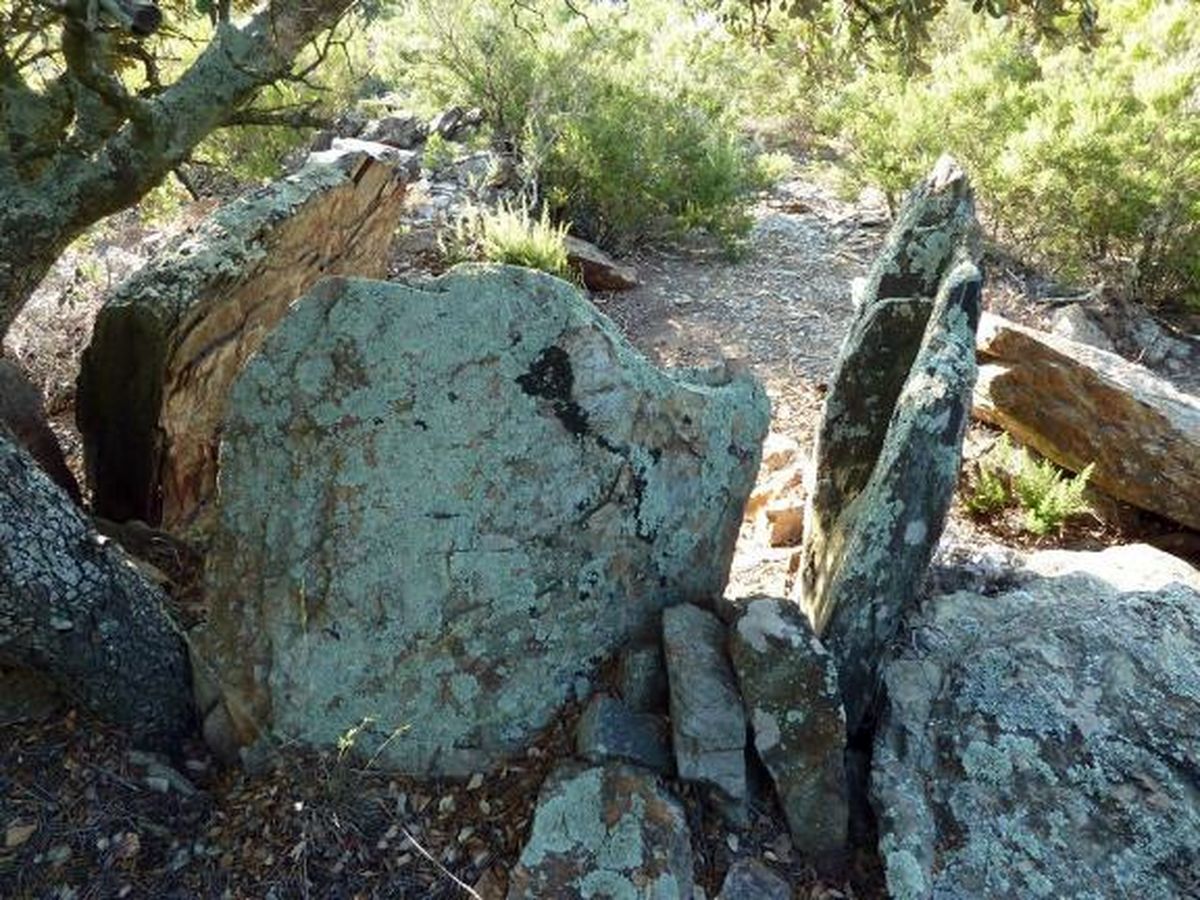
[550, 377]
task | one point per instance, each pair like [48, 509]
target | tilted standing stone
[442, 507]
[790, 690]
[888, 447]
[170, 341]
[708, 722]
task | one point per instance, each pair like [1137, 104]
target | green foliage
[1087, 161]
[622, 120]
[1047, 498]
[255, 152]
[990, 491]
[510, 234]
[1009, 475]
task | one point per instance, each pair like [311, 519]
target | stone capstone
[1042, 741]
[889, 442]
[169, 342]
[608, 831]
[789, 687]
[610, 730]
[708, 723]
[441, 508]
[1078, 405]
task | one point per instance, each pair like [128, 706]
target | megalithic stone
[889, 444]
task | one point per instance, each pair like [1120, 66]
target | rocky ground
[82, 814]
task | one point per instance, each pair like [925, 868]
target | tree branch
[282, 116]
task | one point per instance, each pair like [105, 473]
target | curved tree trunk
[77, 611]
[56, 184]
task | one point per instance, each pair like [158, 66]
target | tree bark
[74, 609]
[78, 181]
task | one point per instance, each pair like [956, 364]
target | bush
[1008, 476]
[1089, 162]
[620, 122]
[510, 234]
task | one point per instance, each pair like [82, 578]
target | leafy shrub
[619, 118]
[510, 234]
[1009, 475]
[1089, 162]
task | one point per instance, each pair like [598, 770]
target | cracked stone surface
[489, 492]
[790, 689]
[1042, 741]
[708, 723]
[889, 444]
[170, 341]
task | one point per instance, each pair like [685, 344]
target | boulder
[1078, 405]
[889, 442]
[1075, 323]
[456, 123]
[708, 723]
[169, 342]
[749, 879]
[443, 507]
[608, 831]
[599, 271]
[789, 687]
[22, 413]
[1041, 741]
[404, 131]
[610, 730]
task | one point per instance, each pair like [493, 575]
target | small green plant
[510, 234]
[439, 153]
[1009, 475]
[1048, 498]
[990, 492]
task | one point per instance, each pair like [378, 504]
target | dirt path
[782, 308]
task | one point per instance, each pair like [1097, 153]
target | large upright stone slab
[1079, 405]
[1042, 740]
[169, 342]
[441, 507]
[889, 443]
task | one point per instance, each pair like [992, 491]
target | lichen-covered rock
[889, 443]
[1078, 405]
[442, 507]
[749, 879]
[169, 342]
[607, 831]
[708, 723]
[1043, 741]
[642, 677]
[610, 730]
[790, 691]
